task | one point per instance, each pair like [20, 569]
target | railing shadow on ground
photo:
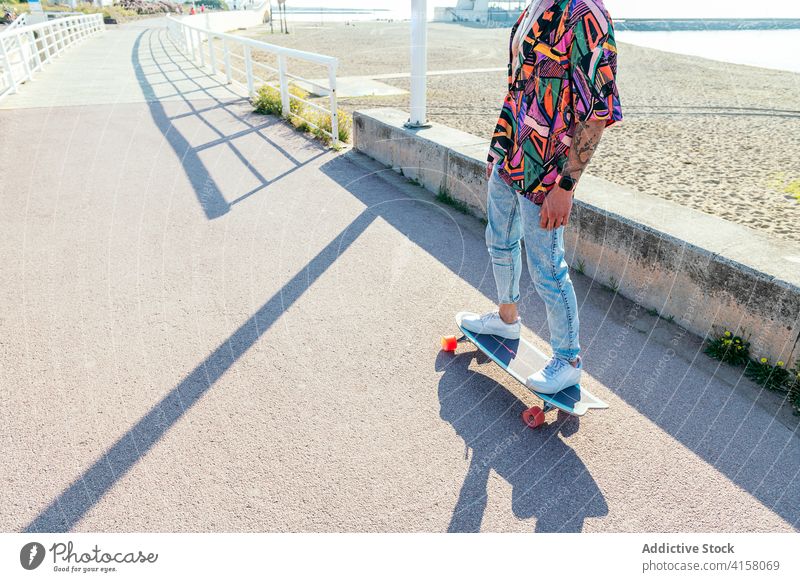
[75, 501]
[161, 53]
[72, 504]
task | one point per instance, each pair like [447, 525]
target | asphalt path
[212, 323]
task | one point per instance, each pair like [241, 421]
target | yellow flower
[763, 360]
[727, 334]
[779, 364]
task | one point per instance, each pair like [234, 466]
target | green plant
[213, 4]
[613, 285]
[86, 8]
[793, 389]
[324, 125]
[296, 106]
[785, 184]
[653, 312]
[444, 197]
[771, 377]
[268, 100]
[119, 13]
[729, 348]
[580, 267]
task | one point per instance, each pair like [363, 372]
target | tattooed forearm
[584, 143]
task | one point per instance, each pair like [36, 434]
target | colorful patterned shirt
[567, 73]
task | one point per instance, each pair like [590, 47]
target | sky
[621, 8]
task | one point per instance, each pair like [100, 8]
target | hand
[556, 208]
[489, 168]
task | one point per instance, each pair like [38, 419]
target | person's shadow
[548, 480]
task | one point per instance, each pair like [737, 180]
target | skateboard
[521, 359]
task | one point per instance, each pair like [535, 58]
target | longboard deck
[521, 359]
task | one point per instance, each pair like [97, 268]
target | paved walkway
[211, 323]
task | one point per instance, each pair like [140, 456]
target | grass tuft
[444, 197]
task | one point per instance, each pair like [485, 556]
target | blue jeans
[512, 216]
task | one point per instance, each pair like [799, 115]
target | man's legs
[544, 250]
[503, 235]
[509, 218]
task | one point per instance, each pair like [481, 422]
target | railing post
[200, 48]
[49, 38]
[248, 67]
[285, 106]
[25, 63]
[32, 37]
[60, 46]
[334, 110]
[211, 57]
[11, 81]
[190, 35]
[227, 54]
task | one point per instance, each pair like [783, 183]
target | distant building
[481, 11]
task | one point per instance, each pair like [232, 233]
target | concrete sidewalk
[212, 323]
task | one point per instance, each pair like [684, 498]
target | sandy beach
[716, 137]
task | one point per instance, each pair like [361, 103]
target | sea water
[772, 49]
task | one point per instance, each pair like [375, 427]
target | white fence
[24, 50]
[232, 57]
[16, 23]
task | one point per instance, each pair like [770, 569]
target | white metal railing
[26, 49]
[222, 58]
[16, 23]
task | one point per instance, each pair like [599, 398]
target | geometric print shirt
[566, 72]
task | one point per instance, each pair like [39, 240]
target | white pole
[248, 65]
[419, 62]
[285, 99]
[334, 106]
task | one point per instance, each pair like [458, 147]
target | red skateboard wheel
[533, 417]
[449, 343]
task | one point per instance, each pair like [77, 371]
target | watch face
[566, 183]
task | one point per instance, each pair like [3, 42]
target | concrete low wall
[705, 272]
[226, 20]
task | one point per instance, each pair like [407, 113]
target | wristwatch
[566, 183]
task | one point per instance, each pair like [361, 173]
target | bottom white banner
[301, 556]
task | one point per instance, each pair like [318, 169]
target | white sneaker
[488, 323]
[555, 376]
